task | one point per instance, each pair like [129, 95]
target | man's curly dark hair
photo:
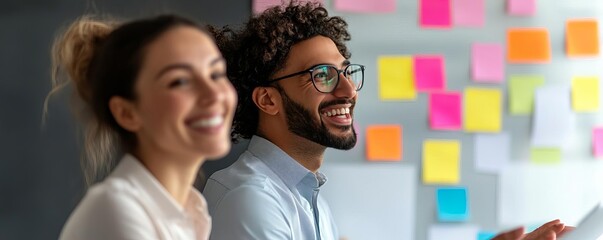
[257, 51]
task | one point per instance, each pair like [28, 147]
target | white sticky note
[553, 120]
[534, 194]
[372, 200]
[491, 152]
[452, 232]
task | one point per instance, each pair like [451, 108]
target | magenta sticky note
[429, 72]
[487, 62]
[598, 142]
[356, 128]
[259, 6]
[469, 13]
[435, 13]
[521, 7]
[445, 110]
[366, 6]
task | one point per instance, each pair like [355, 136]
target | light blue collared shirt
[268, 195]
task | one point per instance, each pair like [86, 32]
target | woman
[156, 95]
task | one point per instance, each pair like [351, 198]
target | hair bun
[73, 51]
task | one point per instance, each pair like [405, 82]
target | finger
[542, 235]
[545, 227]
[558, 227]
[550, 236]
[514, 234]
[565, 230]
[544, 231]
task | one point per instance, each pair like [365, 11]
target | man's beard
[301, 122]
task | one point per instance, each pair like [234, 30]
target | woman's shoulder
[110, 210]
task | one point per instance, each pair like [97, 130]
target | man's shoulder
[223, 181]
[247, 175]
[247, 170]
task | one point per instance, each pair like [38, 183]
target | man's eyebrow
[344, 63]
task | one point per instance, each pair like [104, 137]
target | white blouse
[132, 204]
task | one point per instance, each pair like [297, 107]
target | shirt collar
[136, 173]
[293, 174]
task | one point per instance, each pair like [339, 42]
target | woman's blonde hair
[101, 59]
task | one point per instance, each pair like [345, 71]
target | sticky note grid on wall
[480, 89]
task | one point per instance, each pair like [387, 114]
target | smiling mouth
[210, 122]
[343, 112]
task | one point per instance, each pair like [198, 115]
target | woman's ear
[125, 114]
[267, 99]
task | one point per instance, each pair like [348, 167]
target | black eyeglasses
[326, 77]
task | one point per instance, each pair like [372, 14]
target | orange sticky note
[384, 143]
[582, 38]
[528, 45]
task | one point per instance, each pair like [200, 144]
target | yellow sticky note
[441, 161]
[585, 94]
[483, 110]
[545, 155]
[384, 143]
[582, 38]
[396, 78]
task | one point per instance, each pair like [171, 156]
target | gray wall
[40, 177]
[398, 33]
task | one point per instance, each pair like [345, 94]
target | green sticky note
[545, 155]
[396, 78]
[521, 93]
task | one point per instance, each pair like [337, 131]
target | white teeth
[341, 112]
[208, 122]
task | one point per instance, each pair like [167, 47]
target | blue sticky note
[452, 204]
[485, 235]
[530, 228]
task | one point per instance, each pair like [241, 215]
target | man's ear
[267, 99]
[125, 114]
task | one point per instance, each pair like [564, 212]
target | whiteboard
[398, 33]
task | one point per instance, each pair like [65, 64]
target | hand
[548, 231]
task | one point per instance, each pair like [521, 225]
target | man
[297, 92]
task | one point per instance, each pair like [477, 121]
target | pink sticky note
[259, 6]
[435, 13]
[487, 62]
[445, 111]
[598, 142]
[429, 73]
[469, 13]
[366, 6]
[521, 7]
